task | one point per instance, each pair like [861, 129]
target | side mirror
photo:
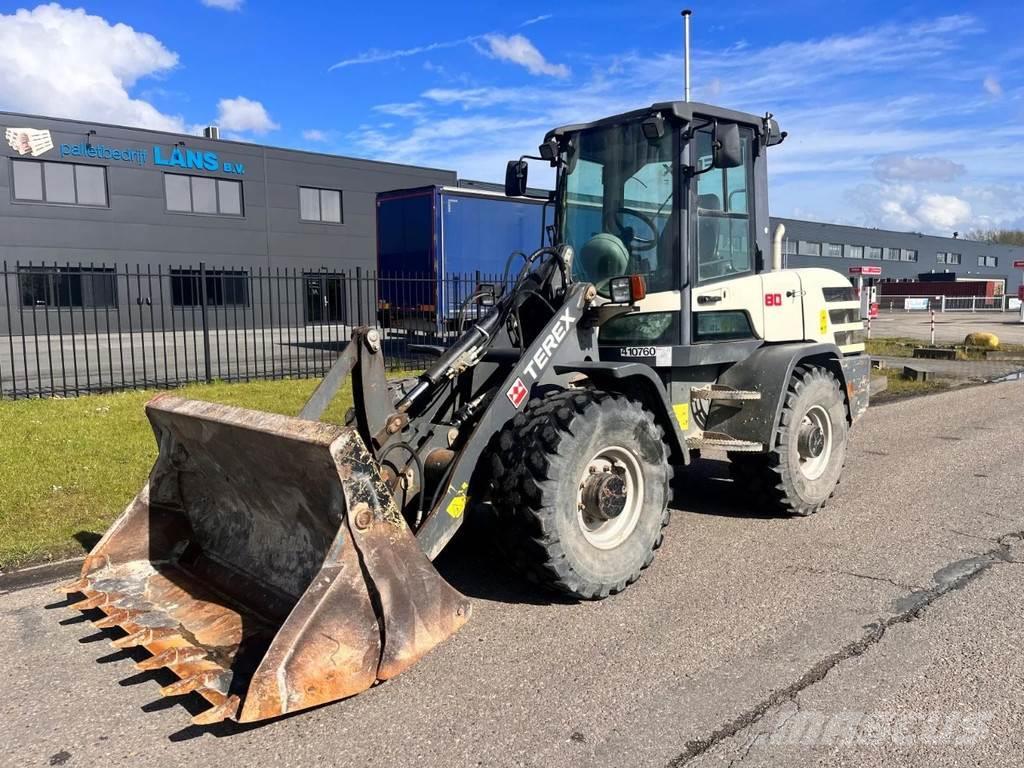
[515, 178]
[727, 151]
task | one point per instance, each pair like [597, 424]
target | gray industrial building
[901, 255]
[115, 198]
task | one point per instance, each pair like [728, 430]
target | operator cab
[676, 193]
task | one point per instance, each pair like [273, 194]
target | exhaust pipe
[686, 54]
[780, 231]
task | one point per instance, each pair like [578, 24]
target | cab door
[727, 301]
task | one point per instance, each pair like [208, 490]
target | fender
[639, 381]
[768, 370]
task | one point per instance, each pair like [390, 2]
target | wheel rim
[609, 497]
[814, 442]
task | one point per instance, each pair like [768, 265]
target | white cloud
[314, 134]
[411, 109]
[375, 55]
[519, 50]
[67, 63]
[992, 86]
[907, 207]
[537, 19]
[242, 115]
[916, 168]
[225, 5]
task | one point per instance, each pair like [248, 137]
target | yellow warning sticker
[823, 321]
[682, 412]
[458, 505]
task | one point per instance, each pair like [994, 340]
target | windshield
[618, 207]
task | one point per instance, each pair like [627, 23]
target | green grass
[897, 346]
[898, 387]
[902, 346]
[69, 467]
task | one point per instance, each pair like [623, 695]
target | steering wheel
[633, 242]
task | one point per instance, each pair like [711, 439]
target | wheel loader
[274, 563]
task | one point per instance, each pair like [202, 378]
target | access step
[722, 442]
[723, 392]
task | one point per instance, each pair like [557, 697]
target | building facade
[903, 256]
[113, 198]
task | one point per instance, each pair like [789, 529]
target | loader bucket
[266, 565]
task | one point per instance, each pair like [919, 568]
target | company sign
[35, 142]
[29, 141]
[165, 157]
[865, 270]
[1018, 265]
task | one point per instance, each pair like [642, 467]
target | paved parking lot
[949, 326]
[884, 631]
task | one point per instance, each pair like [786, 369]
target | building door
[325, 298]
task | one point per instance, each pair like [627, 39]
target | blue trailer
[434, 244]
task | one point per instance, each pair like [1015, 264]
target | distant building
[903, 256]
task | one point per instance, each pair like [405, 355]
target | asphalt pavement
[950, 327]
[883, 631]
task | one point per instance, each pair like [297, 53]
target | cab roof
[682, 111]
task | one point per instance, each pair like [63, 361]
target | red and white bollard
[933, 328]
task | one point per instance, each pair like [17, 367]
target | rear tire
[581, 481]
[800, 472]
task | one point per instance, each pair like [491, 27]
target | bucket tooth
[144, 636]
[74, 586]
[90, 602]
[211, 679]
[226, 710]
[171, 656]
[112, 619]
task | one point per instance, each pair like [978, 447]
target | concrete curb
[37, 575]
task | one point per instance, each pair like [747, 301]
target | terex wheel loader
[277, 563]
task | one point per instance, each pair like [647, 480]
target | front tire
[801, 470]
[582, 491]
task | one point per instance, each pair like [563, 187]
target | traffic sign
[867, 270]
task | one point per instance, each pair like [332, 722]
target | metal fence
[1005, 303]
[72, 329]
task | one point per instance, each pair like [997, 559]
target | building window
[224, 288]
[891, 254]
[67, 286]
[788, 246]
[855, 251]
[63, 183]
[835, 250]
[988, 261]
[873, 252]
[201, 194]
[322, 205]
[805, 248]
[945, 257]
[908, 255]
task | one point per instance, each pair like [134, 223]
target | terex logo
[518, 391]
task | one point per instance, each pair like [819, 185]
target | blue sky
[906, 116]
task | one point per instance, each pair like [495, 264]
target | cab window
[618, 206]
[724, 246]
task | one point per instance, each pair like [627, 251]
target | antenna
[686, 54]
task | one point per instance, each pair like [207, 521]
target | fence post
[942, 309]
[206, 327]
[359, 296]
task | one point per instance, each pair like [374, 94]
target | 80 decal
[773, 299]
